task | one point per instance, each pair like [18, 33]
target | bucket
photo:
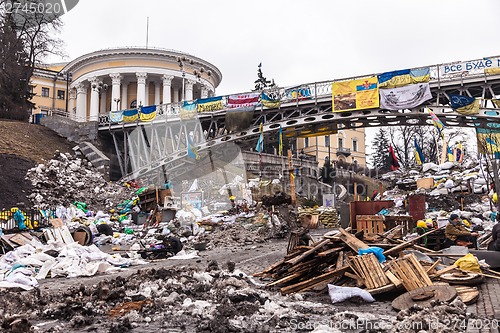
[200, 246]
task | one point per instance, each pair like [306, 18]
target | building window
[327, 141]
[355, 145]
[45, 92]
[341, 143]
[60, 94]
[306, 142]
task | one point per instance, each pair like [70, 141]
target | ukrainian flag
[130, 115]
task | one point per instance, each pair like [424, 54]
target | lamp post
[116, 100]
[68, 78]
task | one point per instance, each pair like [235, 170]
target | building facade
[347, 146]
[119, 79]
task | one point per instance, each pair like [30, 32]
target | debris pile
[66, 179]
[340, 259]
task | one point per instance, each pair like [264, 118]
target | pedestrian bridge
[160, 146]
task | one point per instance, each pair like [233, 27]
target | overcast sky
[296, 41]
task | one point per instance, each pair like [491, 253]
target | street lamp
[116, 100]
[68, 78]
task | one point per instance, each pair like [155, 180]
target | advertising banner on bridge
[406, 97]
[355, 94]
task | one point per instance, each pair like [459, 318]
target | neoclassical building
[118, 79]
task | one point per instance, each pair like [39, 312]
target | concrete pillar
[81, 102]
[189, 90]
[94, 99]
[124, 99]
[167, 85]
[141, 88]
[116, 80]
[204, 91]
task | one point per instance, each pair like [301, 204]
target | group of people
[457, 233]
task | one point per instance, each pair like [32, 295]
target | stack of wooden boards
[335, 260]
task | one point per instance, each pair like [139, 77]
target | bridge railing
[320, 90]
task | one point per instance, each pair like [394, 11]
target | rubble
[66, 179]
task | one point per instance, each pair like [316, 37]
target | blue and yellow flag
[464, 104]
[451, 156]
[148, 113]
[191, 149]
[130, 115]
[419, 155]
[210, 104]
[188, 110]
[280, 142]
[260, 143]
[403, 77]
[270, 102]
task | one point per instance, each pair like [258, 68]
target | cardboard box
[425, 183]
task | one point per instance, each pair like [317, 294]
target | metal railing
[312, 92]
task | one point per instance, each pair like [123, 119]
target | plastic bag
[340, 294]
[377, 251]
[468, 263]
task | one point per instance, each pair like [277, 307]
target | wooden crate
[370, 224]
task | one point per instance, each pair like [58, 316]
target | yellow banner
[210, 106]
[355, 94]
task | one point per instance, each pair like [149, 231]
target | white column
[167, 85]
[176, 95]
[189, 90]
[116, 80]
[157, 93]
[204, 91]
[103, 97]
[146, 98]
[124, 98]
[81, 102]
[141, 88]
[94, 99]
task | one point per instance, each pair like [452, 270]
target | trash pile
[66, 179]
[349, 267]
[218, 298]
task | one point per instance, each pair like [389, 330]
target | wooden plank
[359, 281]
[340, 260]
[420, 269]
[394, 280]
[352, 241]
[330, 251]
[283, 280]
[304, 255]
[445, 270]
[404, 245]
[437, 262]
[305, 285]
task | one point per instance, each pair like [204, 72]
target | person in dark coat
[495, 235]
[456, 231]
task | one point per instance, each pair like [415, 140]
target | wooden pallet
[410, 272]
[369, 269]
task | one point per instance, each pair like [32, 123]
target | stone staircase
[95, 156]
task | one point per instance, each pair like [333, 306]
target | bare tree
[28, 38]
